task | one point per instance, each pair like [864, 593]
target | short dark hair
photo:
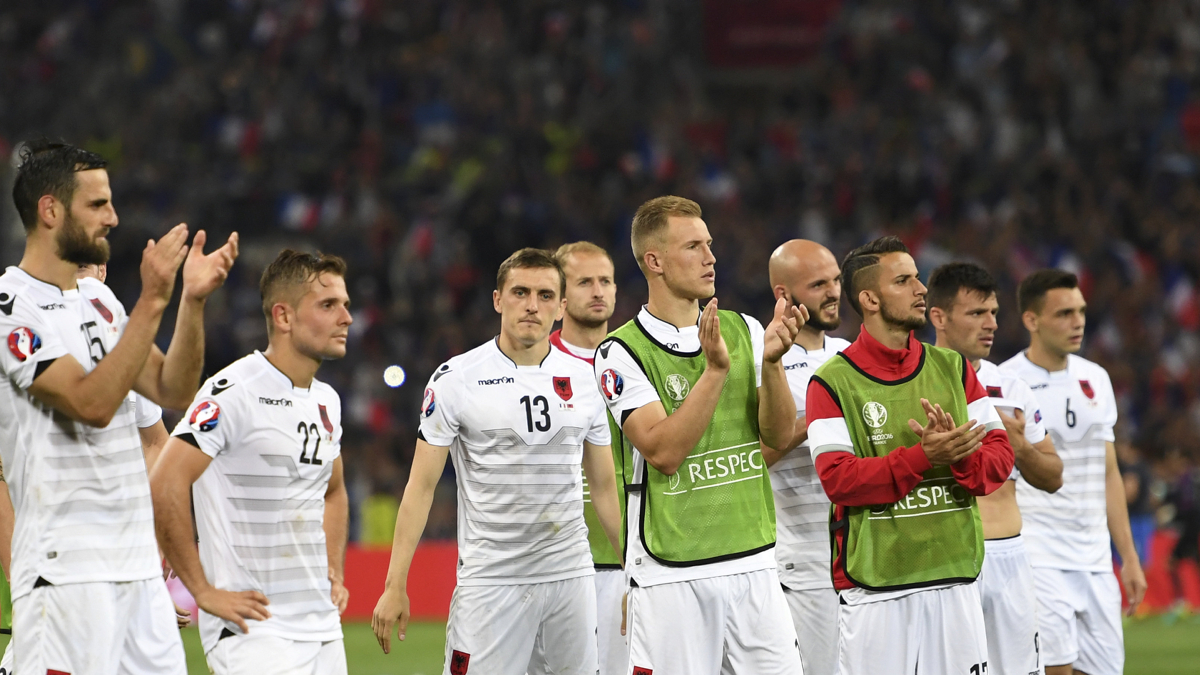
[1033, 289]
[290, 271]
[863, 258]
[48, 168]
[946, 281]
[531, 258]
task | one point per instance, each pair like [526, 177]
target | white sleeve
[32, 343]
[1035, 431]
[208, 423]
[148, 412]
[439, 423]
[599, 433]
[622, 383]
[758, 336]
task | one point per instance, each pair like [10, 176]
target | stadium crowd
[424, 141]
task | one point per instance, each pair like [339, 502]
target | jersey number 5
[309, 431]
[542, 424]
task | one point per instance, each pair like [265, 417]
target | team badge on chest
[1086, 388]
[562, 387]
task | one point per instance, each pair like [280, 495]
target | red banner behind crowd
[765, 33]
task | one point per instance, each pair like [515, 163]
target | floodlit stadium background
[426, 140]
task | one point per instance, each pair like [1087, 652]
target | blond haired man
[692, 393]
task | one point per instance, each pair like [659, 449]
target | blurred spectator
[426, 140]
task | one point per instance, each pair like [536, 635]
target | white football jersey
[801, 507]
[1069, 529]
[626, 387]
[516, 437]
[1010, 392]
[81, 494]
[147, 413]
[260, 504]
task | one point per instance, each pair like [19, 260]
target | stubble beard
[587, 321]
[76, 247]
[908, 323]
[815, 320]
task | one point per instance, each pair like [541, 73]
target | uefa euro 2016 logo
[874, 414]
[677, 387]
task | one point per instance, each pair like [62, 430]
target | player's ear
[1030, 320]
[562, 309]
[868, 300]
[780, 292]
[496, 301]
[280, 318]
[937, 317]
[50, 210]
[652, 262]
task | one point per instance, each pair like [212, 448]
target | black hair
[48, 168]
[1033, 288]
[947, 280]
[863, 258]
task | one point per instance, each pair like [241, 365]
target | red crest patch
[102, 309]
[562, 387]
[52, 671]
[637, 670]
[1087, 389]
[325, 418]
[459, 662]
[995, 392]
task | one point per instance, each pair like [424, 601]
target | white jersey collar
[43, 285]
[495, 342]
[280, 377]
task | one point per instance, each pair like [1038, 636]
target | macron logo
[496, 380]
[794, 366]
[275, 401]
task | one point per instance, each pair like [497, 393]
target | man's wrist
[192, 299]
[152, 304]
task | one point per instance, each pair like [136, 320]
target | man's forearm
[184, 360]
[1043, 470]
[674, 437]
[173, 525]
[799, 435]
[337, 518]
[608, 510]
[776, 407]
[410, 523]
[1118, 515]
[7, 520]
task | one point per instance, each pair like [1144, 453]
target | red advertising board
[765, 33]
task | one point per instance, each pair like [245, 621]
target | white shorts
[252, 654]
[1079, 614]
[933, 632]
[541, 629]
[738, 623]
[1009, 608]
[101, 628]
[815, 615]
[612, 651]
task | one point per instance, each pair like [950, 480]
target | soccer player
[806, 273]
[692, 392]
[963, 308]
[1068, 533]
[520, 420]
[260, 449]
[590, 296]
[907, 540]
[83, 543]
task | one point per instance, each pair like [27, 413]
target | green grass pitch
[1154, 647]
